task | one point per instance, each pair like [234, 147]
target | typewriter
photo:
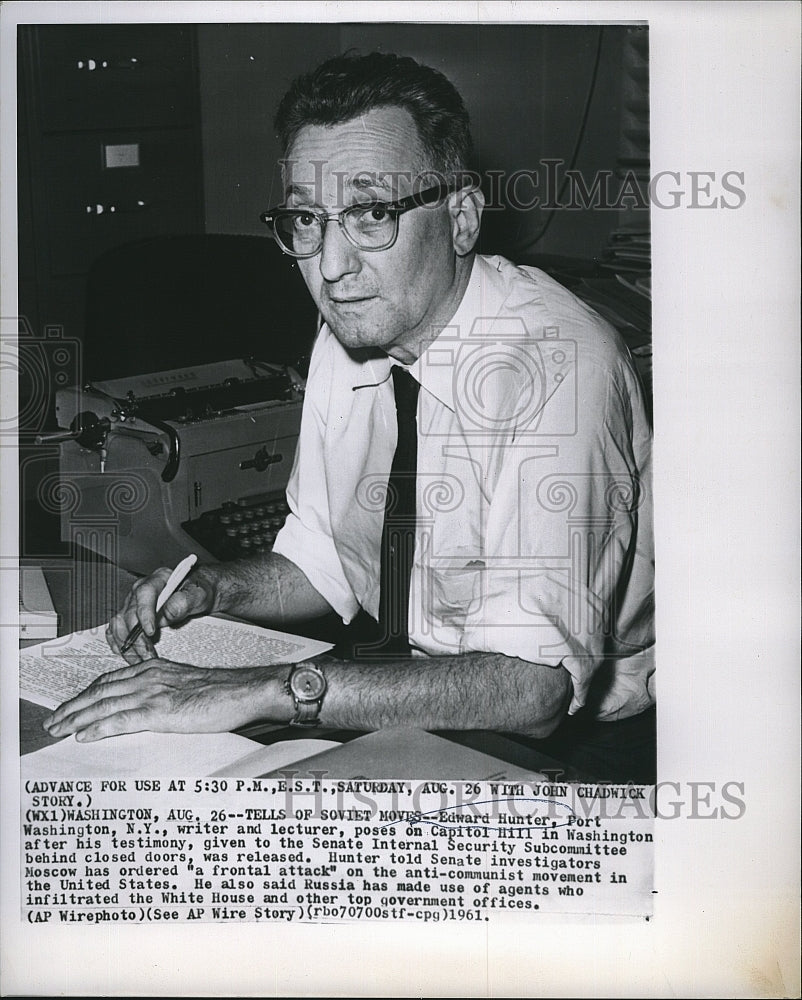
[194, 459]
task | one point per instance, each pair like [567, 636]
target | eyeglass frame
[395, 209]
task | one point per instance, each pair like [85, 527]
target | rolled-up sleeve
[306, 537]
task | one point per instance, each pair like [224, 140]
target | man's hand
[162, 696]
[196, 597]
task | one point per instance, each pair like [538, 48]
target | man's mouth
[349, 299]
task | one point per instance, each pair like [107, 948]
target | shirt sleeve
[564, 579]
[306, 537]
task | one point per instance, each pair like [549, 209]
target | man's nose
[338, 256]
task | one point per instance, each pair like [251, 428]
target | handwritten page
[54, 671]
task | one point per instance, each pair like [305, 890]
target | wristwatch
[307, 685]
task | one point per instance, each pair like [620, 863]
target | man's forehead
[362, 182]
[376, 150]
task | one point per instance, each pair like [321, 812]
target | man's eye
[371, 215]
[305, 220]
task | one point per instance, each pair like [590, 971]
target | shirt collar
[434, 369]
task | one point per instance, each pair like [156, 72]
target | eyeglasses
[370, 225]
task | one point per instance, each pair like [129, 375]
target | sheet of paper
[54, 671]
[137, 755]
[271, 758]
[399, 753]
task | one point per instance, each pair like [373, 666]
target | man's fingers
[160, 696]
[145, 595]
[97, 711]
[116, 682]
[194, 597]
[143, 649]
[111, 638]
[118, 630]
[134, 720]
[182, 604]
[139, 609]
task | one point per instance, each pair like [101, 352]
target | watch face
[307, 684]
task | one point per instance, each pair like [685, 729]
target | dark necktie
[398, 534]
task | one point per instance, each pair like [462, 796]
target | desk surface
[86, 592]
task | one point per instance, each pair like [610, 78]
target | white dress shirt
[534, 509]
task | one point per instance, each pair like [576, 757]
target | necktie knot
[406, 392]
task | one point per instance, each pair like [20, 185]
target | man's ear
[465, 207]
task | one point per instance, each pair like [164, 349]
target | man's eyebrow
[360, 183]
[370, 183]
[302, 191]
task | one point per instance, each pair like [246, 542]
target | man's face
[387, 299]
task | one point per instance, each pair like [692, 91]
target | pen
[176, 578]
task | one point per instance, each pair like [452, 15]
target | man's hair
[350, 85]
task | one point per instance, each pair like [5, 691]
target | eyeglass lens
[370, 227]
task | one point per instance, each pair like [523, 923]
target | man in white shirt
[530, 550]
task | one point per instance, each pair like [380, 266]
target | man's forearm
[269, 588]
[474, 691]
[471, 691]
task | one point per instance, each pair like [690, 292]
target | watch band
[306, 713]
[306, 684]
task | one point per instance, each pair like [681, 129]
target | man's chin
[365, 342]
[355, 332]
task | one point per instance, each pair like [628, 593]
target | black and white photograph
[481, 556]
[385, 401]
